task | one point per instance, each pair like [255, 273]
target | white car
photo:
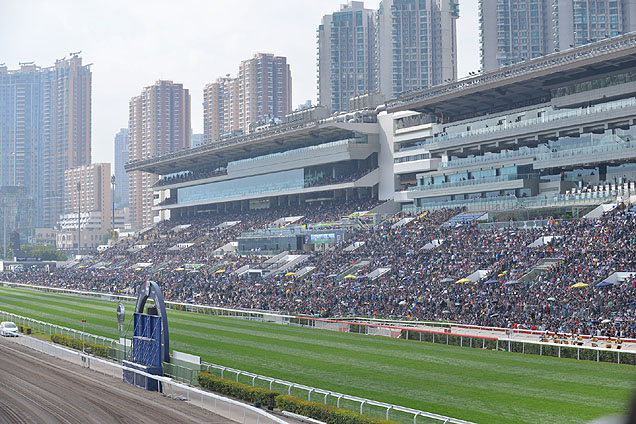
[8, 329]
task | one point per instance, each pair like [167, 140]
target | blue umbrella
[605, 284]
[491, 281]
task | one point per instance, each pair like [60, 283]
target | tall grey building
[405, 45]
[45, 128]
[121, 157]
[516, 30]
[346, 55]
[578, 22]
[417, 44]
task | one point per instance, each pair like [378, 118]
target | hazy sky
[133, 43]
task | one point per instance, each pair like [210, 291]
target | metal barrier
[51, 329]
[323, 396]
[225, 407]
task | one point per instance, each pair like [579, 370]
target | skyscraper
[158, 123]
[121, 179]
[346, 55]
[220, 108]
[515, 30]
[265, 89]
[579, 22]
[417, 44]
[405, 45]
[261, 90]
[45, 128]
[21, 139]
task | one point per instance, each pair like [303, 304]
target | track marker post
[83, 333]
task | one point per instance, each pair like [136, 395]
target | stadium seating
[420, 261]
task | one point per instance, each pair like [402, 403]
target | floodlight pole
[112, 181]
[79, 214]
[4, 229]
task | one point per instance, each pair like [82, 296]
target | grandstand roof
[278, 139]
[521, 84]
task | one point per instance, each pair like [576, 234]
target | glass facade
[278, 181]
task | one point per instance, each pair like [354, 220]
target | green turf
[472, 384]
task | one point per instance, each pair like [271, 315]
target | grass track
[473, 384]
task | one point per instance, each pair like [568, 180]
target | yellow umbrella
[180, 269]
[102, 267]
[137, 269]
[579, 285]
[503, 274]
[463, 280]
[349, 277]
[290, 274]
[219, 271]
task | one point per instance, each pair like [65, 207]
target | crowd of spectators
[329, 180]
[423, 260]
[191, 176]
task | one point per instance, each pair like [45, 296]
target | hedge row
[327, 413]
[75, 343]
[25, 329]
[236, 390]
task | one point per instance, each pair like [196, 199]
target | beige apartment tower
[67, 129]
[158, 124]
[261, 91]
[89, 186]
[220, 108]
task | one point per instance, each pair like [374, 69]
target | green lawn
[472, 384]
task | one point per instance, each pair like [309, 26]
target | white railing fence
[327, 397]
[51, 329]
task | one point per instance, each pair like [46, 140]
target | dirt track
[36, 388]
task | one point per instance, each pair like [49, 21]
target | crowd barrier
[326, 396]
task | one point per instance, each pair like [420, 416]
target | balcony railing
[602, 108]
[477, 181]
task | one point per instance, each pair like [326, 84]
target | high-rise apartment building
[89, 187]
[346, 55]
[417, 44]
[405, 45]
[158, 124]
[516, 30]
[261, 91]
[220, 108]
[45, 128]
[264, 84]
[121, 179]
[21, 140]
[579, 22]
